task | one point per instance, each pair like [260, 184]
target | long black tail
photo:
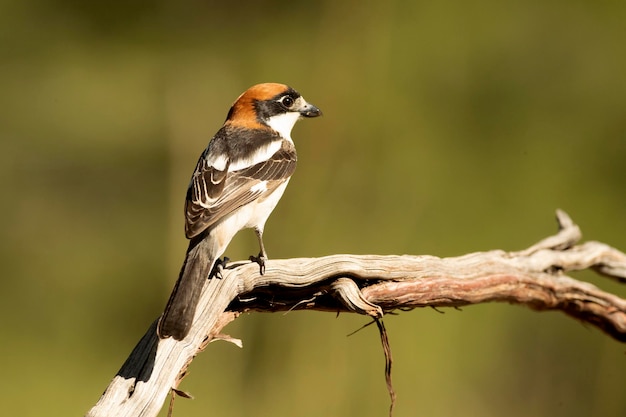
[181, 307]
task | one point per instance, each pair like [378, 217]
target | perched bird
[237, 182]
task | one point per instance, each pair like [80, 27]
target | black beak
[310, 110]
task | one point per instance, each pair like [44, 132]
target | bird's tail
[181, 307]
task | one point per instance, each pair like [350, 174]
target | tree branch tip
[183, 394]
[564, 220]
[227, 338]
[352, 333]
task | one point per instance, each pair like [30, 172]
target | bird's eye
[287, 101]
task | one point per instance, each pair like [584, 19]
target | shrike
[237, 182]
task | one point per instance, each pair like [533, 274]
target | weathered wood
[372, 285]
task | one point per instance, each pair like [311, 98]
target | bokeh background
[449, 127]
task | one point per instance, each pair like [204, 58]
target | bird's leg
[218, 268]
[262, 257]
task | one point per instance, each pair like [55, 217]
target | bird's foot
[260, 259]
[218, 268]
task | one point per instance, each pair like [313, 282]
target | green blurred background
[449, 127]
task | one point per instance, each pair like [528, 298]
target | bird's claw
[218, 268]
[260, 259]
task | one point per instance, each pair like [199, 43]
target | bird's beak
[309, 110]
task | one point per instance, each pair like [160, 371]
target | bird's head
[270, 105]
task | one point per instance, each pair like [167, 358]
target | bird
[237, 182]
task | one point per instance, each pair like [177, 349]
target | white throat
[283, 123]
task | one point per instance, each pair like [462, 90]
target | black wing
[214, 194]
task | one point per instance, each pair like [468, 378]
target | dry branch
[372, 285]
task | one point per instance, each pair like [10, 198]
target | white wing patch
[260, 187]
[218, 161]
[262, 154]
